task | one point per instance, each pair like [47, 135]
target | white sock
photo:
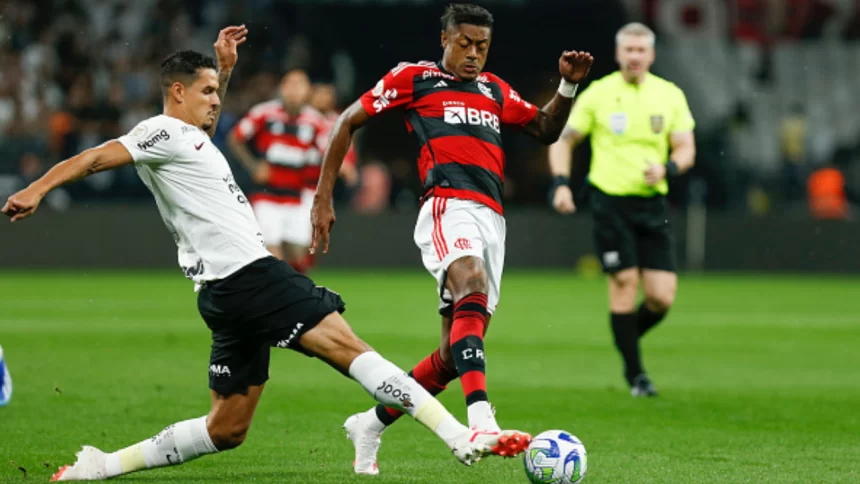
[481, 417]
[376, 425]
[392, 387]
[178, 443]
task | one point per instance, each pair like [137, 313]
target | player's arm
[240, 149]
[549, 121]
[107, 156]
[322, 213]
[393, 91]
[682, 143]
[225, 51]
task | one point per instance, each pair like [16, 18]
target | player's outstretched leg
[5, 381]
[365, 429]
[224, 428]
[333, 341]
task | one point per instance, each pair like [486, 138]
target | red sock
[467, 345]
[432, 374]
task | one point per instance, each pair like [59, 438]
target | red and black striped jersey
[291, 145]
[457, 126]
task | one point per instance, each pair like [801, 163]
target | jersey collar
[441, 67]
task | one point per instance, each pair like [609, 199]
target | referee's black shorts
[266, 303]
[632, 232]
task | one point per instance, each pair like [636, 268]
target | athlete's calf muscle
[333, 341]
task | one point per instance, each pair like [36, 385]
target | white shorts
[286, 223]
[448, 229]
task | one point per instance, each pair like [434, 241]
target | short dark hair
[182, 66]
[466, 13]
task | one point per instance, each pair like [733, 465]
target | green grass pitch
[760, 379]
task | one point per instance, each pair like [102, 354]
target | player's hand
[262, 173]
[562, 200]
[654, 173]
[574, 66]
[322, 219]
[225, 47]
[22, 204]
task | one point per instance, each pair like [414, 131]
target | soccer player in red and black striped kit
[455, 112]
[280, 142]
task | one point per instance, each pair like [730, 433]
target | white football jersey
[204, 209]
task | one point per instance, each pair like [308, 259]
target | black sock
[648, 319]
[626, 334]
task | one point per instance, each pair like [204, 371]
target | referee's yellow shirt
[629, 125]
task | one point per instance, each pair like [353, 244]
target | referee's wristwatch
[557, 181]
[672, 170]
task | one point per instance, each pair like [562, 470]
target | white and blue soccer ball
[555, 457]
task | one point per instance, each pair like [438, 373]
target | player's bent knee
[660, 302]
[467, 275]
[333, 341]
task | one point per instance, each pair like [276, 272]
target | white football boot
[474, 445]
[90, 466]
[360, 429]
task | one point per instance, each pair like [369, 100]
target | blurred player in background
[641, 136]
[249, 300]
[455, 112]
[280, 143]
[5, 380]
[324, 100]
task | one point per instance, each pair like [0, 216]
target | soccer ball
[555, 457]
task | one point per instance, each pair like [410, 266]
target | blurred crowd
[78, 72]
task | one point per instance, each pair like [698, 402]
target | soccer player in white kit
[250, 300]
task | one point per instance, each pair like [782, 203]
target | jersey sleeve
[582, 115]
[392, 91]
[516, 111]
[151, 142]
[683, 119]
[248, 126]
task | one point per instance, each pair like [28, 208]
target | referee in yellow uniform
[641, 133]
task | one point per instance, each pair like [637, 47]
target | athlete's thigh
[494, 230]
[444, 232]
[614, 236]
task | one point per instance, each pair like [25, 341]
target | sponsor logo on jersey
[383, 100]
[434, 73]
[485, 90]
[197, 270]
[472, 116]
[441, 84]
[515, 96]
[219, 370]
[234, 188]
[153, 140]
[189, 129]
